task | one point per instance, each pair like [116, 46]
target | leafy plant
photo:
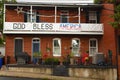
[104, 1]
[71, 54]
[116, 17]
[97, 1]
[50, 61]
[48, 49]
[37, 54]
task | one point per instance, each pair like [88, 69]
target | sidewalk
[5, 72]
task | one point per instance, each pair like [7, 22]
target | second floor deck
[52, 19]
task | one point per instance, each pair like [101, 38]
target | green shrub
[50, 61]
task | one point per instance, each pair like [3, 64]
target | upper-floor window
[75, 47]
[34, 17]
[64, 16]
[93, 46]
[92, 17]
[56, 47]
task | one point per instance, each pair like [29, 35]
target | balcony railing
[52, 28]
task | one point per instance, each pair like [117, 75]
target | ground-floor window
[75, 47]
[93, 46]
[56, 47]
[18, 47]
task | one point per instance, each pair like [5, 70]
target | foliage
[71, 54]
[10, 1]
[116, 17]
[97, 1]
[104, 1]
[48, 49]
[109, 1]
[1, 41]
[50, 61]
[1, 14]
[37, 54]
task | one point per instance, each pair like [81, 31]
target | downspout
[117, 51]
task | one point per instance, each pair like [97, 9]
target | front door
[35, 46]
[18, 45]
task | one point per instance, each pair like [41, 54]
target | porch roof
[99, 6]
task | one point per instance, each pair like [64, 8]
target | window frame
[54, 54]
[34, 16]
[90, 52]
[78, 54]
[92, 17]
[22, 44]
[64, 13]
[35, 42]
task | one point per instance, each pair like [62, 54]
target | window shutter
[37, 17]
[87, 16]
[98, 16]
[25, 16]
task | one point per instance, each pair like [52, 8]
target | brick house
[62, 27]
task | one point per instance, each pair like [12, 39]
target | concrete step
[4, 68]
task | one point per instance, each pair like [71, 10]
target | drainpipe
[117, 47]
[117, 53]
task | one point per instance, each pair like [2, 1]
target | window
[93, 46]
[56, 47]
[75, 47]
[92, 17]
[27, 17]
[33, 17]
[18, 47]
[64, 17]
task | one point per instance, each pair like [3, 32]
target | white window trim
[29, 18]
[32, 43]
[96, 46]
[95, 15]
[64, 12]
[53, 46]
[32, 46]
[78, 47]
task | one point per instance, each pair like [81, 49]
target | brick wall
[106, 41]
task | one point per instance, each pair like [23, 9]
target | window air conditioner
[98, 58]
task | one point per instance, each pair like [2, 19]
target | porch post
[55, 14]
[31, 13]
[79, 14]
[4, 13]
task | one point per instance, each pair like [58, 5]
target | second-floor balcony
[52, 19]
[52, 28]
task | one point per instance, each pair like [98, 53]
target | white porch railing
[52, 28]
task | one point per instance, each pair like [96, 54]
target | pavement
[5, 72]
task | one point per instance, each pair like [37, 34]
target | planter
[34, 60]
[71, 61]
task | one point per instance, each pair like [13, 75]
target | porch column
[55, 14]
[79, 14]
[4, 13]
[31, 13]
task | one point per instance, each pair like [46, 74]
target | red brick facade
[105, 42]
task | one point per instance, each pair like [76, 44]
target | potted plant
[48, 49]
[36, 57]
[71, 58]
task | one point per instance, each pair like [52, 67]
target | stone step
[4, 68]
